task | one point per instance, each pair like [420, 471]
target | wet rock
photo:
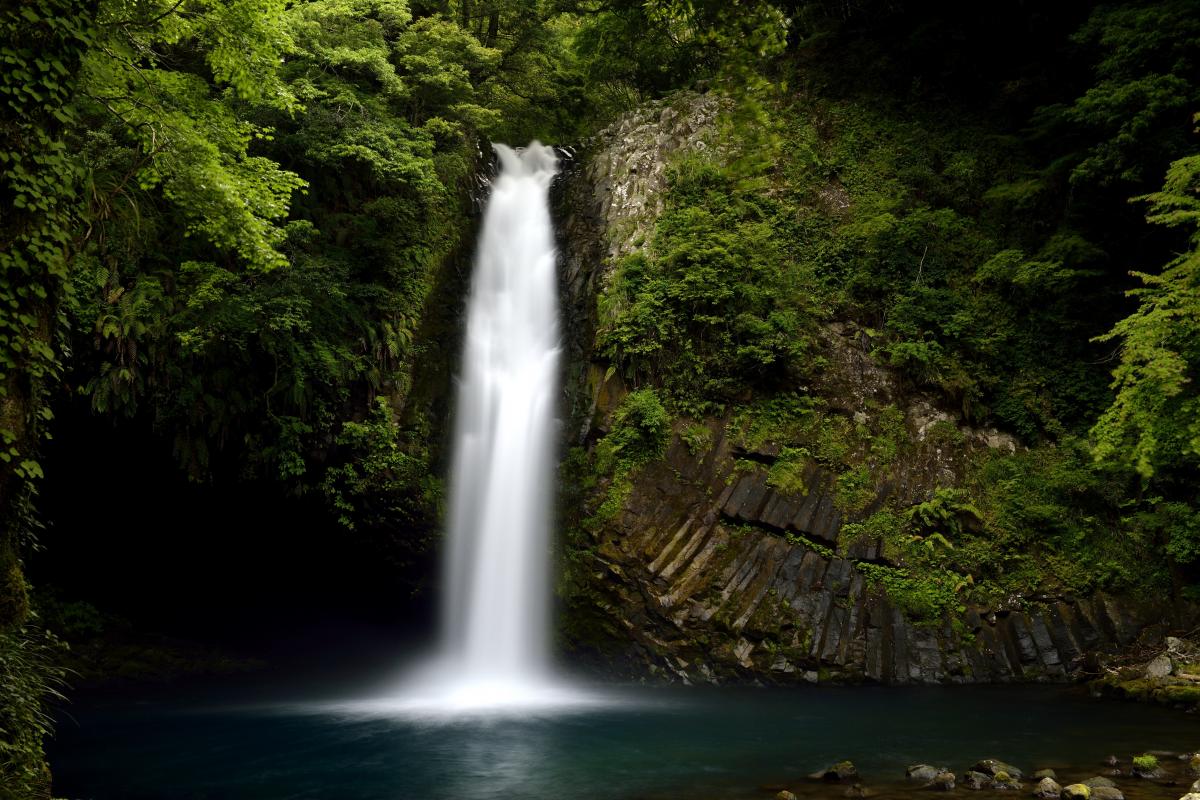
[1098, 781]
[1195, 787]
[1159, 667]
[1077, 791]
[1111, 761]
[1045, 773]
[922, 774]
[1047, 787]
[785, 795]
[991, 766]
[1002, 780]
[943, 782]
[1194, 764]
[977, 780]
[1191, 796]
[857, 790]
[1107, 793]
[1147, 767]
[841, 771]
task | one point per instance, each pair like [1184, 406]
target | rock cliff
[710, 570]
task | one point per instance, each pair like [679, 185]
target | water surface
[659, 744]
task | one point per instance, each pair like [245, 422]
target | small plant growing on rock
[1145, 762]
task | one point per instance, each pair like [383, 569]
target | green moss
[697, 437]
[787, 473]
[1145, 762]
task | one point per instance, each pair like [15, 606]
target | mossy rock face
[993, 767]
[1076, 791]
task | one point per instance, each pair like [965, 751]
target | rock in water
[990, 766]
[943, 782]
[1194, 764]
[1097, 782]
[921, 773]
[1047, 788]
[1002, 780]
[1159, 667]
[1078, 791]
[841, 771]
[1107, 793]
[785, 795]
[857, 790]
[976, 780]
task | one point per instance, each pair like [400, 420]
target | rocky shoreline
[1154, 775]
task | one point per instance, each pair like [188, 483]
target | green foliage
[788, 473]
[925, 595]
[943, 517]
[641, 428]
[697, 437]
[712, 307]
[382, 486]
[31, 677]
[1154, 420]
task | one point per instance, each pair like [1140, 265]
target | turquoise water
[649, 743]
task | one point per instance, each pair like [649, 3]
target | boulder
[943, 782]
[1191, 796]
[921, 773]
[1107, 793]
[785, 795]
[1045, 773]
[841, 771]
[857, 790]
[1078, 791]
[1096, 782]
[1146, 766]
[977, 780]
[1193, 764]
[1159, 667]
[1002, 780]
[1047, 787]
[990, 766]
[1195, 787]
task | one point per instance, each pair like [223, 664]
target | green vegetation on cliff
[1020, 249]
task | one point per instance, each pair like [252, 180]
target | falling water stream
[495, 625]
[497, 591]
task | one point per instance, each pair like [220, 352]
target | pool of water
[654, 743]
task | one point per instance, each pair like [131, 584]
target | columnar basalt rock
[709, 572]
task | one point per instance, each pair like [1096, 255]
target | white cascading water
[502, 478]
[495, 628]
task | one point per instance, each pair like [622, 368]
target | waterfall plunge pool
[638, 742]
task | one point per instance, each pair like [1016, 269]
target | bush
[640, 432]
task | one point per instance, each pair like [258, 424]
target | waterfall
[502, 479]
[495, 652]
